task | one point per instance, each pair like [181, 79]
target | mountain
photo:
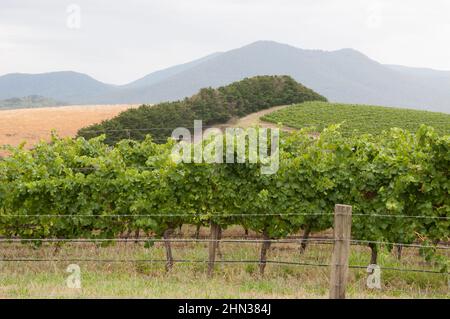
[72, 87]
[162, 75]
[29, 102]
[420, 71]
[345, 76]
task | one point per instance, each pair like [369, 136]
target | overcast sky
[118, 41]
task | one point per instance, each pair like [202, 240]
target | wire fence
[218, 215]
[222, 261]
[149, 129]
[190, 127]
[328, 241]
[324, 241]
[190, 261]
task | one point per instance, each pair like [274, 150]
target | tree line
[212, 106]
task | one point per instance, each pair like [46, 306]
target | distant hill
[71, 87]
[342, 76]
[30, 101]
[212, 106]
[346, 76]
[423, 72]
[165, 74]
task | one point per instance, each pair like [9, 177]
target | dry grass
[32, 125]
[140, 279]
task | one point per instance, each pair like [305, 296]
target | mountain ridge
[60, 85]
[344, 75]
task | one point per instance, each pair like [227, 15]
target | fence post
[212, 247]
[341, 250]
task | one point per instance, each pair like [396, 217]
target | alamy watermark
[73, 281]
[374, 278]
[73, 20]
[375, 15]
[253, 145]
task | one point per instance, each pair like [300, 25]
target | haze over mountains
[345, 75]
[68, 87]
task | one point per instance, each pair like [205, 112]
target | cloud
[120, 41]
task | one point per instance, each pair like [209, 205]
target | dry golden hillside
[32, 125]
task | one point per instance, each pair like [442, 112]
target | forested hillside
[212, 106]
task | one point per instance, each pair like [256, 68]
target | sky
[118, 41]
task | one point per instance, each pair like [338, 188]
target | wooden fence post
[339, 264]
[215, 229]
[168, 248]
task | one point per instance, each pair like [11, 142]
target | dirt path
[254, 119]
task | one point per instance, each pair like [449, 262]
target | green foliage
[212, 106]
[79, 188]
[399, 173]
[358, 118]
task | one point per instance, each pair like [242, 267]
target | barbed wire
[161, 215]
[105, 167]
[220, 125]
[356, 241]
[207, 240]
[145, 129]
[223, 261]
[63, 137]
[155, 240]
[222, 216]
[402, 216]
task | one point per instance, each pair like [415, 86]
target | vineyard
[358, 118]
[73, 190]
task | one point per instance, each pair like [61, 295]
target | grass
[138, 279]
[357, 118]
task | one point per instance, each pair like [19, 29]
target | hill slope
[33, 125]
[212, 106]
[71, 87]
[165, 74]
[357, 118]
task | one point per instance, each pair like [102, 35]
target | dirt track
[254, 119]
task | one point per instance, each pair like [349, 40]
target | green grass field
[357, 118]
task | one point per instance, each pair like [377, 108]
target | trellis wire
[219, 126]
[222, 216]
[206, 240]
[230, 261]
